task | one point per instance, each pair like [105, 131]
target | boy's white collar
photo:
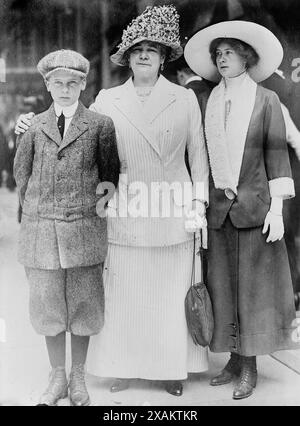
[68, 111]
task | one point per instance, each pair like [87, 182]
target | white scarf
[226, 146]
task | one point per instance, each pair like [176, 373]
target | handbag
[198, 307]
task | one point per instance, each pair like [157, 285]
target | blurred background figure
[9, 154]
[33, 103]
[2, 156]
[279, 84]
[190, 80]
[27, 104]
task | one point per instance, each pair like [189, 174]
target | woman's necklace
[143, 93]
[232, 86]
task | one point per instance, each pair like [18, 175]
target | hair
[244, 50]
[164, 50]
[182, 66]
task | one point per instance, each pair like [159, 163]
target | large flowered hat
[159, 24]
[263, 41]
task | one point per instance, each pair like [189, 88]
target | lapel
[141, 117]
[77, 127]
[161, 97]
[49, 126]
[248, 152]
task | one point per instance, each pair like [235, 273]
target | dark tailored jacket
[265, 158]
[202, 91]
[57, 181]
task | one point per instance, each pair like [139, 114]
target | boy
[59, 162]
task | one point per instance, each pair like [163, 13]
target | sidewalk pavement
[24, 364]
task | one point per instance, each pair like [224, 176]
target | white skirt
[145, 333]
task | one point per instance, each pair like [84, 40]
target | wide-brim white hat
[263, 41]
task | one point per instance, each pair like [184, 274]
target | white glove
[275, 223]
[194, 221]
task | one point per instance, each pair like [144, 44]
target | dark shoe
[247, 379]
[231, 369]
[119, 385]
[174, 387]
[78, 393]
[57, 388]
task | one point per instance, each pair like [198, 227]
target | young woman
[248, 277]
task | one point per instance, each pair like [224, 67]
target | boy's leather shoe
[78, 393]
[57, 388]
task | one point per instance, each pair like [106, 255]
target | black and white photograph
[150, 205]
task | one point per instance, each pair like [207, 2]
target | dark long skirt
[250, 285]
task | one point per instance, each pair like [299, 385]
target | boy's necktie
[61, 124]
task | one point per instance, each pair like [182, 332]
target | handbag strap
[193, 279]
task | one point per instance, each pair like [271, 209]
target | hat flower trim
[160, 24]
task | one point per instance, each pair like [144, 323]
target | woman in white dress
[149, 262]
[148, 266]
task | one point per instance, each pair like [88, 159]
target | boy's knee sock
[56, 346]
[80, 346]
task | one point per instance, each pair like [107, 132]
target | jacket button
[229, 194]
[68, 214]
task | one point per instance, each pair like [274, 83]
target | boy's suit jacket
[57, 181]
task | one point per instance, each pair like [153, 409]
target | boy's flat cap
[67, 60]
